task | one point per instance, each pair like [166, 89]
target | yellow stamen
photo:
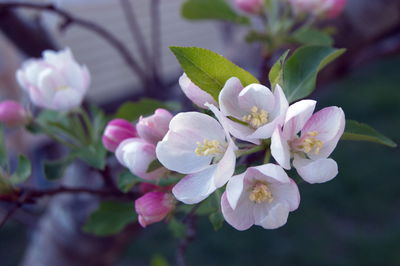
[256, 118]
[61, 88]
[209, 147]
[261, 193]
[311, 143]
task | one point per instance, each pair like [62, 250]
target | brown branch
[9, 214]
[189, 220]
[135, 30]
[70, 19]
[156, 37]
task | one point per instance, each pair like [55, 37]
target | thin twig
[9, 214]
[135, 30]
[156, 37]
[70, 19]
[189, 220]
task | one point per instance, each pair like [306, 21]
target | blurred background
[352, 220]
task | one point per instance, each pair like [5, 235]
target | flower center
[310, 143]
[209, 147]
[256, 118]
[61, 88]
[261, 193]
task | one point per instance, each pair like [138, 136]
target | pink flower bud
[153, 128]
[250, 6]
[148, 187]
[336, 8]
[154, 207]
[328, 8]
[117, 131]
[12, 113]
[194, 93]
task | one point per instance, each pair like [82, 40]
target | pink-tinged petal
[73, 75]
[266, 131]
[67, 99]
[12, 113]
[336, 9]
[250, 6]
[234, 189]
[280, 149]
[194, 93]
[153, 128]
[288, 193]
[198, 124]
[276, 215]
[177, 153]
[153, 207]
[136, 154]
[241, 218]
[329, 123]
[228, 98]
[256, 95]
[116, 131]
[270, 173]
[319, 171]
[237, 130]
[226, 166]
[196, 187]
[49, 82]
[281, 104]
[297, 116]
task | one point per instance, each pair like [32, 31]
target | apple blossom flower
[250, 6]
[153, 207]
[12, 113]
[194, 93]
[137, 154]
[329, 8]
[250, 113]
[309, 139]
[263, 195]
[197, 145]
[116, 131]
[55, 81]
[153, 128]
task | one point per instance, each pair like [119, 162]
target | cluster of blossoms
[327, 8]
[205, 150]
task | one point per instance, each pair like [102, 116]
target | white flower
[309, 139]
[194, 93]
[56, 81]
[250, 113]
[197, 145]
[263, 195]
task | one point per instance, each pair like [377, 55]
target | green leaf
[158, 260]
[3, 150]
[310, 36]
[126, 181]
[301, 69]
[177, 228]
[209, 70]
[110, 218]
[22, 172]
[276, 73]
[363, 132]
[54, 170]
[217, 220]
[153, 166]
[211, 9]
[131, 111]
[94, 155]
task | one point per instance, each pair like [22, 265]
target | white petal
[228, 98]
[226, 166]
[288, 193]
[196, 187]
[280, 149]
[241, 218]
[296, 117]
[177, 153]
[270, 173]
[281, 103]
[194, 93]
[319, 171]
[275, 216]
[198, 124]
[234, 189]
[49, 81]
[67, 99]
[256, 95]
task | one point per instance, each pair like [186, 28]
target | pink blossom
[263, 195]
[56, 81]
[250, 113]
[137, 154]
[250, 6]
[309, 140]
[12, 113]
[153, 128]
[116, 131]
[329, 8]
[197, 145]
[194, 93]
[153, 207]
